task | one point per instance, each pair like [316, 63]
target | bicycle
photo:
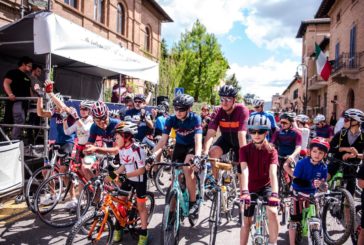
[310, 225]
[177, 204]
[338, 208]
[357, 224]
[99, 225]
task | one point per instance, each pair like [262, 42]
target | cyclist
[206, 118]
[232, 119]
[259, 109]
[160, 120]
[288, 141]
[360, 177]
[309, 174]
[347, 144]
[300, 123]
[143, 118]
[187, 126]
[131, 173]
[323, 129]
[259, 161]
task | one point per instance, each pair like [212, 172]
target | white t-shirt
[83, 132]
[305, 132]
[133, 158]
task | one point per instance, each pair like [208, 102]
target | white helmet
[50, 103]
[258, 121]
[126, 127]
[87, 104]
[319, 118]
[302, 118]
[258, 102]
[354, 114]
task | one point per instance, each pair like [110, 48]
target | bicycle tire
[42, 210]
[33, 183]
[357, 227]
[214, 217]
[298, 238]
[349, 226]
[163, 175]
[78, 229]
[171, 220]
[315, 236]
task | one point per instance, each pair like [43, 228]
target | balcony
[346, 67]
[316, 82]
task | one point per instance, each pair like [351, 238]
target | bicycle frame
[260, 236]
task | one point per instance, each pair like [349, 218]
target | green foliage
[107, 94]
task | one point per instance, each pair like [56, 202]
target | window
[352, 47]
[120, 19]
[338, 16]
[319, 101]
[295, 94]
[98, 10]
[337, 55]
[72, 3]
[147, 39]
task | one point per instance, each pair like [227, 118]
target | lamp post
[305, 80]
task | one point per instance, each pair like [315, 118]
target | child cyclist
[259, 161]
[131, 173]
[309, 174]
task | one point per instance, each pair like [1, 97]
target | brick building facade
[134, 24]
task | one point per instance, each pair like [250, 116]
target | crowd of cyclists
[275, 159]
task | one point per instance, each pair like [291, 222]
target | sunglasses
[83, 108]
[222, 100]
[346, 119]
[256, 107]
[138, 101]
[180, 109]
[254, 132]
[284, 122]
[99, 120]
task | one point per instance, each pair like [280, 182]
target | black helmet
[139, 97]
[228, 91]
[183, 101]
[289, 116]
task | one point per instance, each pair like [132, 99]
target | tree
[248, 98]
[232, 80]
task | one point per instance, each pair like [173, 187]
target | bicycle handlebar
[333, 159]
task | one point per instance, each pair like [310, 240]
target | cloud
[233, 38]
[265, 79]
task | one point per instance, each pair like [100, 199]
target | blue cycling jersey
[306, 170]
[186, 129]
[160, 122]
[135, 116]
[107, 135]
[287, 141]
[63, 138]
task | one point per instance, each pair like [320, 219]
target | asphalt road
[20, 226]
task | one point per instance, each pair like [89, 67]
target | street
[20, 226]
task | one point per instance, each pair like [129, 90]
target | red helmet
[320, 143]
[100, 110]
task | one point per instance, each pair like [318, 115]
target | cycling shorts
[265, 192]
[181, 151]
[140, 187]
[225, 147]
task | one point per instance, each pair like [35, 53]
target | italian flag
[323, 66]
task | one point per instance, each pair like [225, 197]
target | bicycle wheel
[357, 226]
[214, 217]
[52, 201]
[338, 218]
[171, 219]
[93, 224]
[34, 182]
[163, 179]
[88, 200]
[316, 238]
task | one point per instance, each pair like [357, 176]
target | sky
[258, 37]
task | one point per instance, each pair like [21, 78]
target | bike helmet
[320, 143]
[183, 101]
[165, 104]
[87, 104]
[100, 110]
[139, 97]
[257, 102]
[258, 121]
[302, 118]
[206, 107]
[319, 118]
[51, 104]
[287, 115]
[126, 127]
[354, 114]
[228, 91]
[161, 109]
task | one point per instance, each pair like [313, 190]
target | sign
[178, 91]
[39, 3]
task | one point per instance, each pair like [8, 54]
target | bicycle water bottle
[224, 197]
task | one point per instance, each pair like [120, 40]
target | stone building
[346, 83]
[291, 99]
[134, 24]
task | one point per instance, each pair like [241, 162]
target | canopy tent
[80, 56]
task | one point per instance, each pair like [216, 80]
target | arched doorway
[350, 101]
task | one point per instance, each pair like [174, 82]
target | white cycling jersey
[83, 132]
[133, 158]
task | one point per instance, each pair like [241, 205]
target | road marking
[11, 212]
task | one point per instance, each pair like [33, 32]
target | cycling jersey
[286, 141]
[83, 132]
[63, 138]
[186, 129]
[107, 135]
[306, 170]
[133, 158]
[159, 125]
[324, 132]
[143, 129]
[258, 162]
[231, 124]
[305, 133]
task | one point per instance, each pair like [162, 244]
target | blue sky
[256, 36]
